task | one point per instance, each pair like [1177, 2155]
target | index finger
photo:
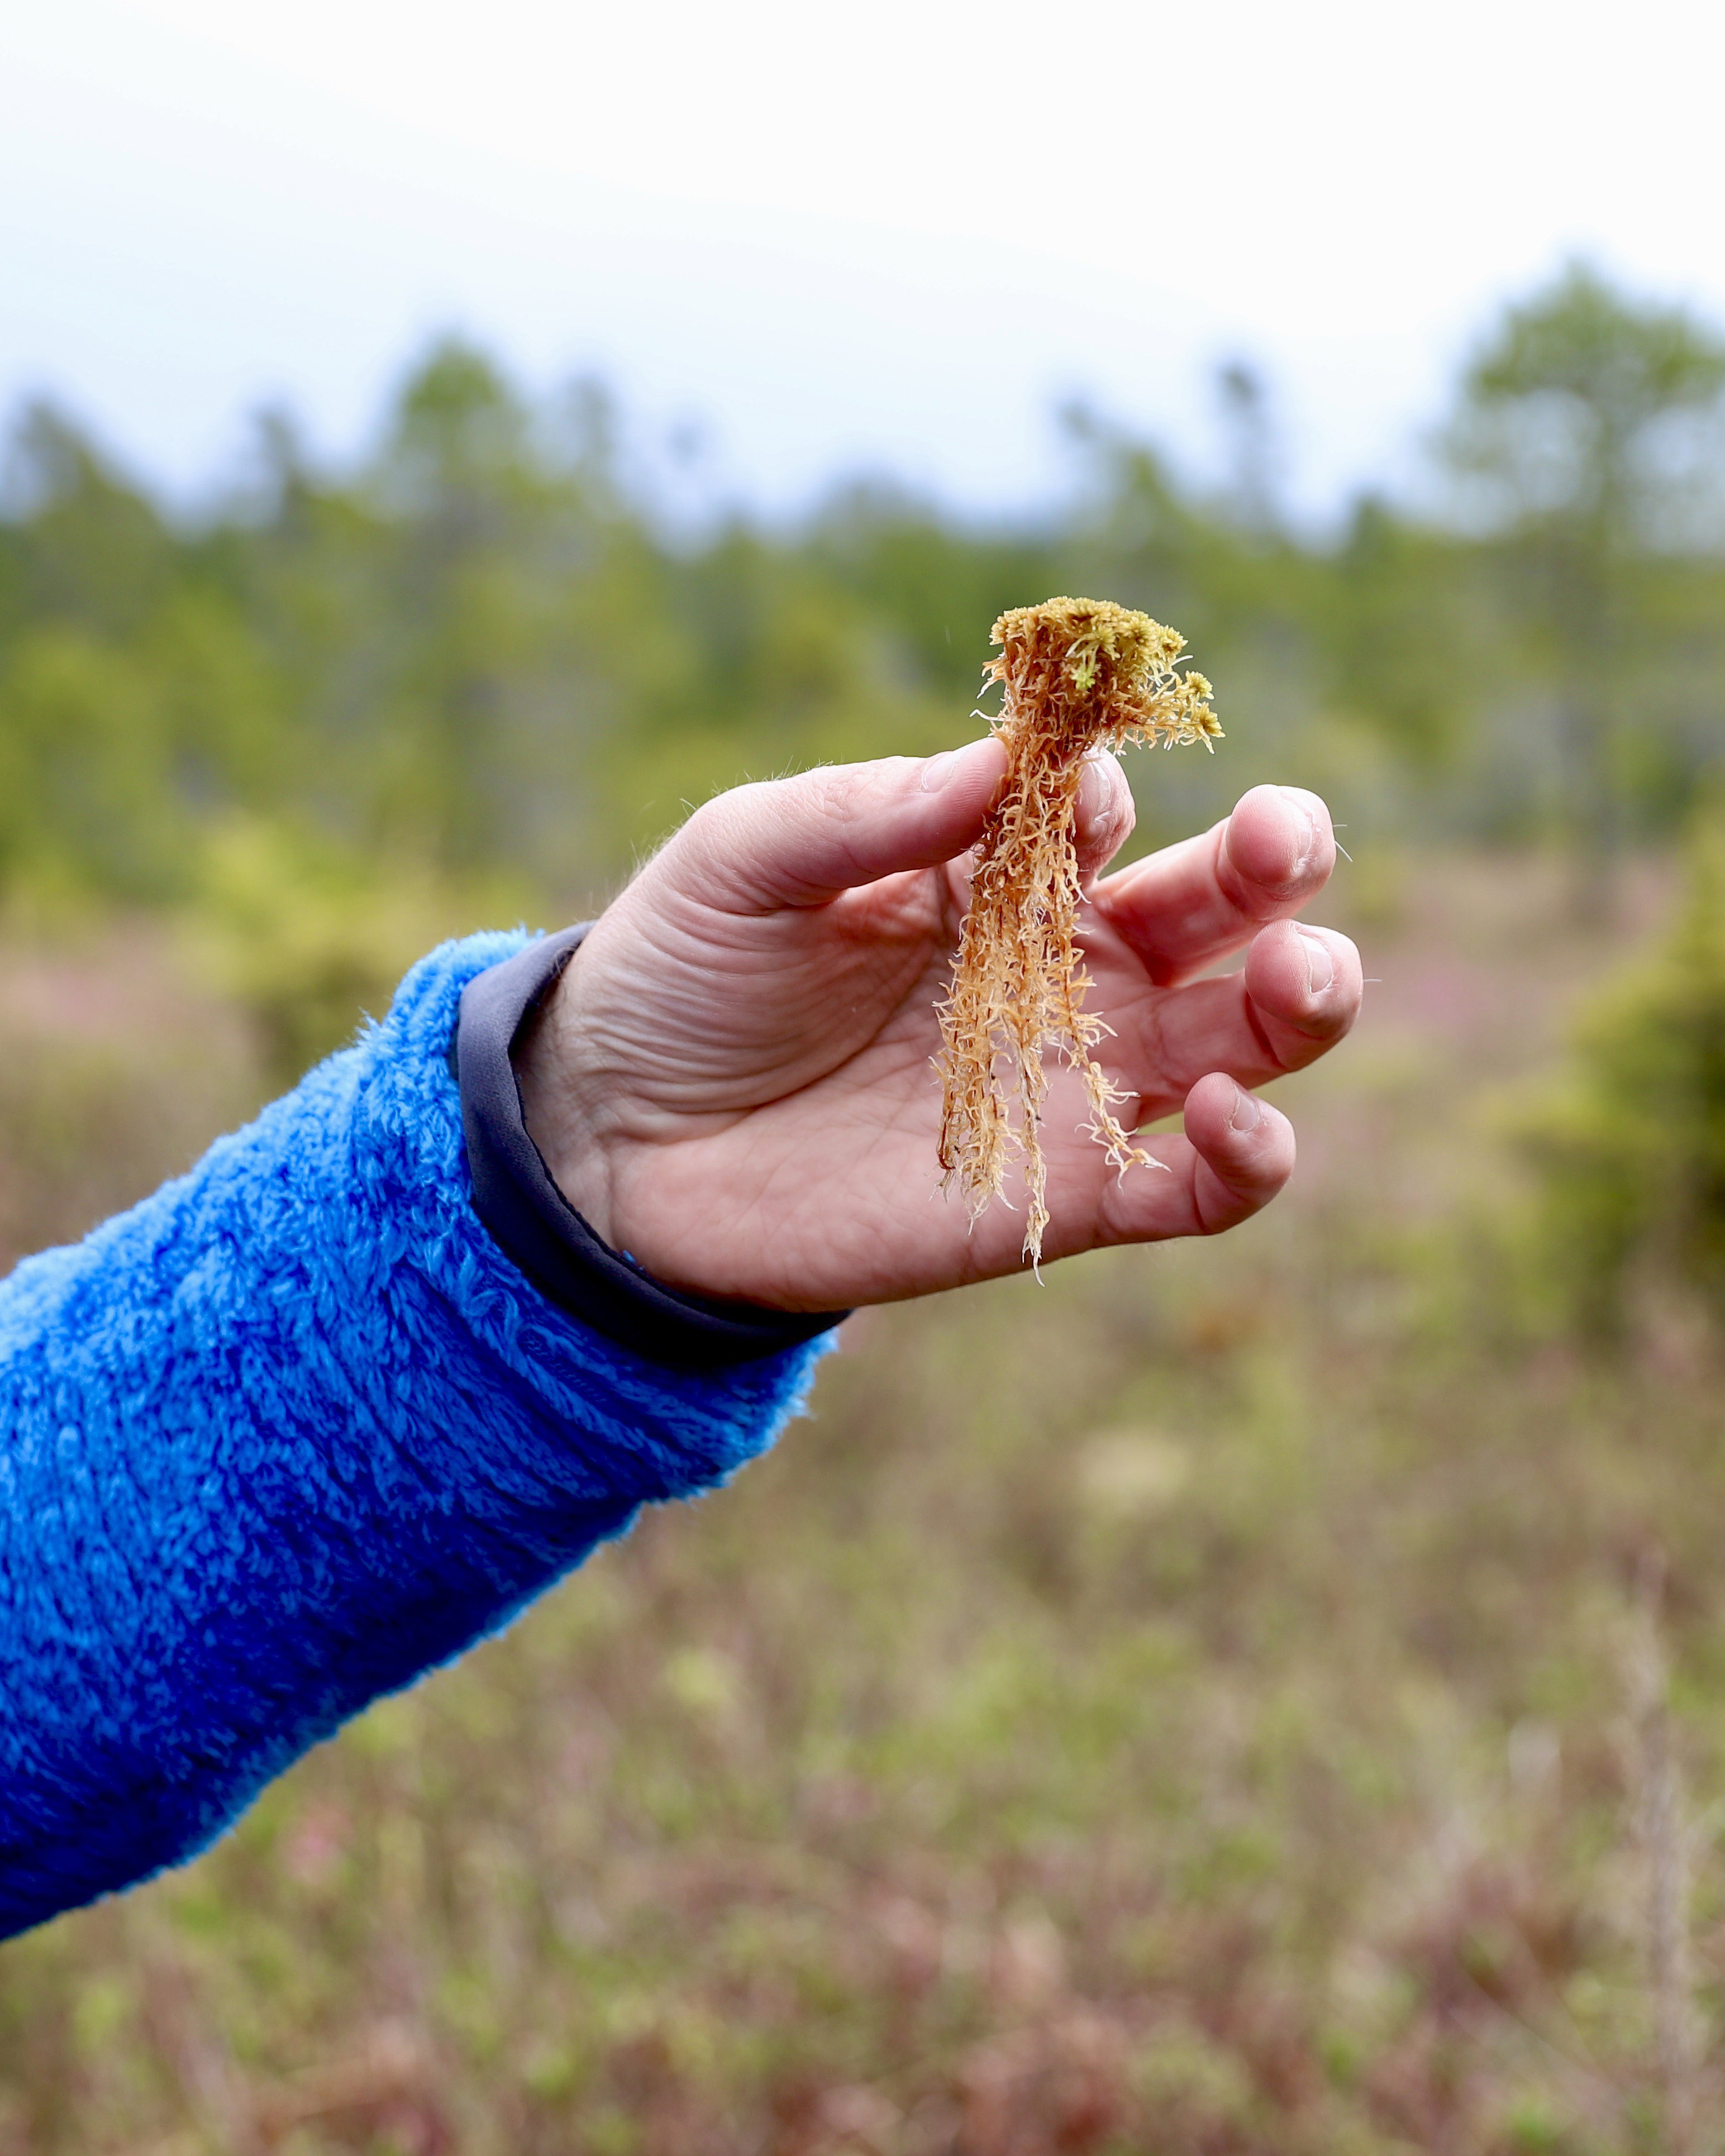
[1185, 907]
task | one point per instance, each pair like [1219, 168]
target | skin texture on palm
[733, 1080]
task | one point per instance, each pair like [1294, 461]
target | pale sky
[889, 239]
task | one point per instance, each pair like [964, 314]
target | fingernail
[1320, 967]
[1245, 1112]
[1308, 825]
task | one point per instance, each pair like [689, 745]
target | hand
[733, 1080]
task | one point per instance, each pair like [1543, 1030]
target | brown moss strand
[1079, 675]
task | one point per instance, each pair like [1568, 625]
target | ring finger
[1296, 996]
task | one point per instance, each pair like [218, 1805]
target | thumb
[801, 841]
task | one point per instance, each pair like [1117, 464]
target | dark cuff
[532, 1222]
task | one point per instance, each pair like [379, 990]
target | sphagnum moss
[1079, 675]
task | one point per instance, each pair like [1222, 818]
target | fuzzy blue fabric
[283, 1437]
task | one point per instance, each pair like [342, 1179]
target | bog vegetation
[1265, 1698]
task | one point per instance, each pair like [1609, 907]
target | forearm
[284, 1436]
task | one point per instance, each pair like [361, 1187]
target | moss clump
[1079, 675]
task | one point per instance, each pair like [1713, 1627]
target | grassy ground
[1238, 1699]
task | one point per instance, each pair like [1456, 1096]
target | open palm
[733, 1079]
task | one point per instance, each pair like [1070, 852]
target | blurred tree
[310, 939]
[492, 642]
[1252, 461]
[86, 800]
[457, 471]
[1583, 438]
[1249, 600]
[1396, 618]
[933, 584]
[99, 555]
[1631, 1149]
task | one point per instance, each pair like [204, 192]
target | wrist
[579, 1107]
[558, 1105]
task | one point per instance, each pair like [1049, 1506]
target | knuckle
[713, 830]
[828, 800]
[830, 792]
[721, 839]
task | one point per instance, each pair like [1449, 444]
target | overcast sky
[892, 237]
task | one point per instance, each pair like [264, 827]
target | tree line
[481, 651]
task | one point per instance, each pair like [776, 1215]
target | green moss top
[1089, 667]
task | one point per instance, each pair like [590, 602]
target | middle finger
[1191, 904]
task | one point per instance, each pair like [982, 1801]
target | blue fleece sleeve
[282, 1437]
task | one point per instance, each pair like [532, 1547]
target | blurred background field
[1265, 1698]
[1256, 1700]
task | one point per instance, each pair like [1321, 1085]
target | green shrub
[309, 940]
[1631, 1152]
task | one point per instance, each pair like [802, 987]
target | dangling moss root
[1079, 675]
